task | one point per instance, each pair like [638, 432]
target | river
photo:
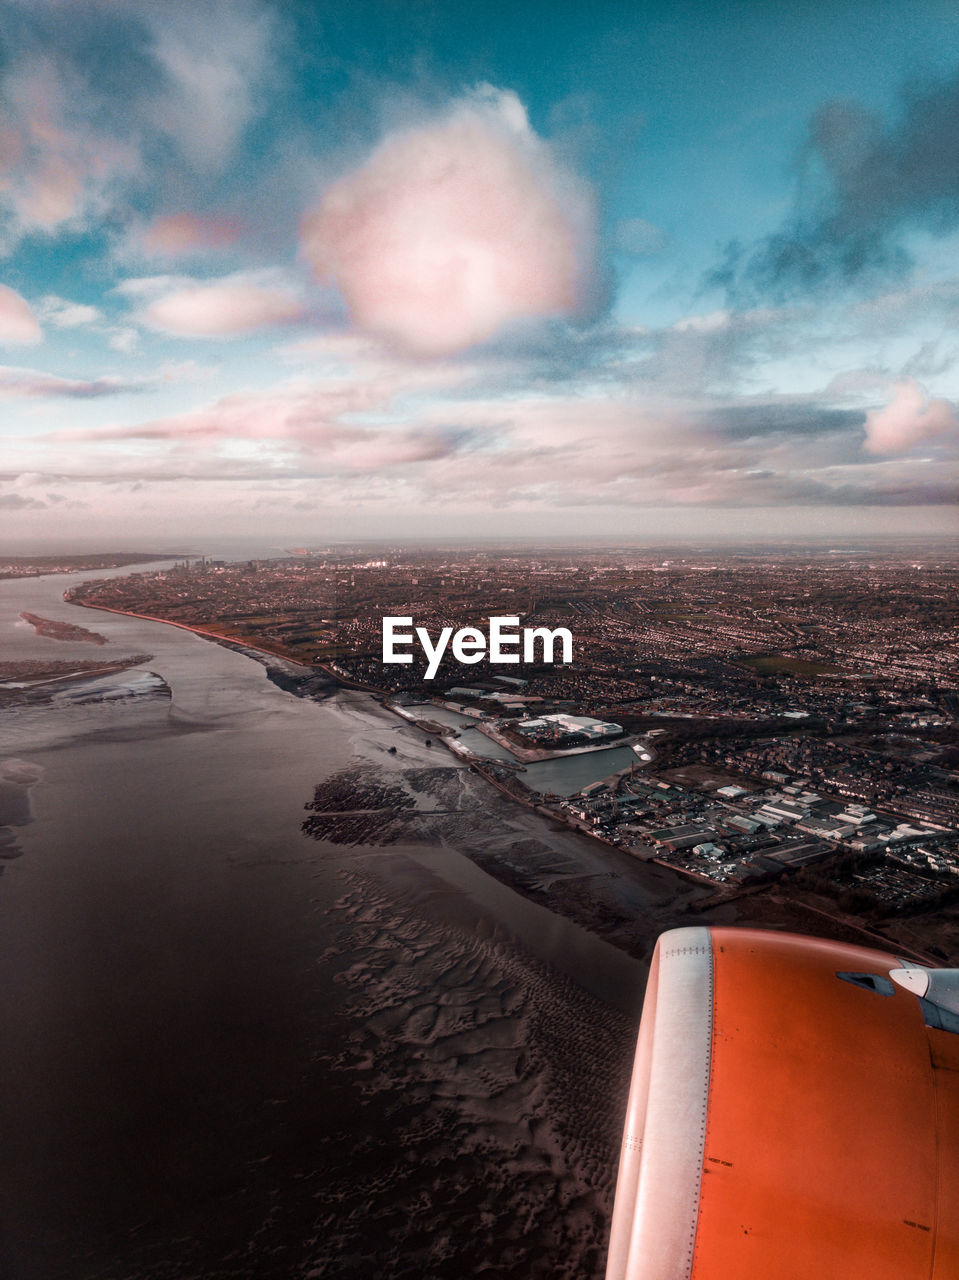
[232, 1050]
[564, 775]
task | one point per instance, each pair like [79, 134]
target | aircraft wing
[793, 1115]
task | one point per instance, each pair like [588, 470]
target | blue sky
[302, 272]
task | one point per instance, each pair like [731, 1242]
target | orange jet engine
[793, 1113]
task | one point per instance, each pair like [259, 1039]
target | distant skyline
[294, 273]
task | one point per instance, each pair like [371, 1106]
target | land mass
[796, 713]
[53, 629]
[35, 680]
[34, 566]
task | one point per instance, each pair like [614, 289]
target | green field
[775, 664]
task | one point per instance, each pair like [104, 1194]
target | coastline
[605, 911]
[22, 682]
[475, 764]
[294, 677]
[345, 1031]
[183, 626]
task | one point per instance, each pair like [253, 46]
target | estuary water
[232, 1050]
[564, 776]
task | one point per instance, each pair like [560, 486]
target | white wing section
[941, 986]
[657, 1191]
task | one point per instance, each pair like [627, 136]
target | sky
[295, 273]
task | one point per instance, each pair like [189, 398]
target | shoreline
[362, 1028]
[110, 668]
[183, 626]
[790, 914]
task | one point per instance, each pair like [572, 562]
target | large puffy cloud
[452, 229]
[910, 418]
[17, 321]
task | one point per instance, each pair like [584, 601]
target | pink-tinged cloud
[910, 418]
[223, 309]
[181, 233]
[54, 167]
[450, 230]
[17, 321]
[299, 429]
[33, 383]
[360, 442]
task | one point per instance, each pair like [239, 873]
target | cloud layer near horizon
[442, 434]
[451, 229]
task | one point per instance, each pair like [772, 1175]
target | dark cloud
[809, 491]
[933, 359]
[17, 502]
[701, 354]
[556, 353]
[861, 186]
[788, 419]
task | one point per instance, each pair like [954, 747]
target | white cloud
[910, 418]
[17, 322]
[452, 229]
[64, 314]
[124, 340]
[714, 322]
[223, 308]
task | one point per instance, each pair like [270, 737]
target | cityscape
[749, 720]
